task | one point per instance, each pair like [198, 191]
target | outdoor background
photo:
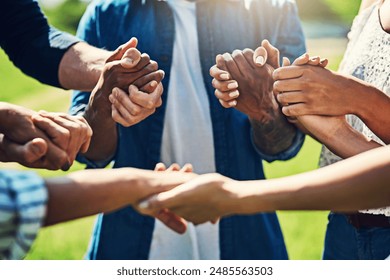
[326, 23]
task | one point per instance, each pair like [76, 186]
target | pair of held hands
[309, 95]
[130, 85]
[314, 98]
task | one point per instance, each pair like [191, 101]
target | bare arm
[349, 185]
[81, 66]
[90, 192]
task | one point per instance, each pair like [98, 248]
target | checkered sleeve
[23, 199]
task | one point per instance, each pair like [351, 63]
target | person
[346, 186]
[305, 91]
[190, 126]
[363, 235]
[28, 201]
[58, 59]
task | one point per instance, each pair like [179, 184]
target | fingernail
[153, 83]
[224, 76]
[260, 60]
[232, 85]
[128, 61]
[233, 103]
[111, 98]
[144, 205]
[234, 94]
[37, 149]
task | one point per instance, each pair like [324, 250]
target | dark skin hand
[271, 131]
[53, 139]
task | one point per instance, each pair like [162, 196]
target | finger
[160, 167]
[286, 62]
[248, 55]
[272, 53]
[119, 52]
[77, 132]
[59, 135]
[121, 100]
[131, 58]
[295, 110]
[302, 60]
[231, 65]
[116, 116]
[291, 97]
[174, 167]
[144, 82]
[173, 221]
[144, 100]
[188, 168]
[288, 72]
[88, 132]
[220, 62]
[227, 96]
[324, 62]
[288, 85]
[219, 74]
[241, 62]
[30, 152]
[230, 104]
[315, 61]
[224, 85]
[260, 56]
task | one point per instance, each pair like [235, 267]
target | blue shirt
[222, 27]
[23, 198]
[31, 44]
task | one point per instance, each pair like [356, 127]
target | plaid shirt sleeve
[23, 199]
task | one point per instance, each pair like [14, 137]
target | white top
[367, 58]
[187, 136]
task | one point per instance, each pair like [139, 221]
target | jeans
[344, 242]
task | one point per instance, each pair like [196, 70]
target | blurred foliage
[329, 10]
[67, 15]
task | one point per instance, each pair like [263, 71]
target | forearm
[89, 192]
[81, 66]
[274, 135]
[345, 186]
[374, 111]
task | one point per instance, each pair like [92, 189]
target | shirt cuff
[291, 152]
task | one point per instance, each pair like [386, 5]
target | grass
[303, 231]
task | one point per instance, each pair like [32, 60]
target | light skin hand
[136, 105]
[170, 219]
[203, 199]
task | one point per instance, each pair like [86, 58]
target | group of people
[135, 112]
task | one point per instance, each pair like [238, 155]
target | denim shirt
[223, 26]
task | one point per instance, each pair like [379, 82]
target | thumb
[120, 51]
[130, 58]
[260, 56]
[30, 152]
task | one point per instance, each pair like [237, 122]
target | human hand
[121, 72]
[170, 219]
[311, 90]
[26, 153]
[70, 133]
[51, 139]
[136, 105]
[203, 199]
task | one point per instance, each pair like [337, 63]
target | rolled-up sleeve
[291, 152]
[31, 44]
[23, 201]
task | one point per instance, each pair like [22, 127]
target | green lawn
[303, 231]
